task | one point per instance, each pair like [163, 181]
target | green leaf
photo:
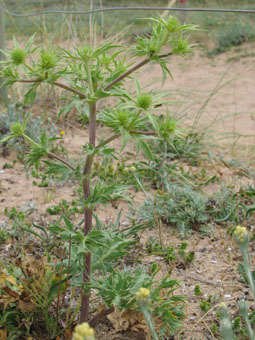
[29, 43]
[125, 137]
[146, 150]
[30, 96]
[58, 169]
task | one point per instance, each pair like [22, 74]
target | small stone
[124, 223]
[227, 296]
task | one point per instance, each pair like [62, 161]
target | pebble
[227, 296]
[125, 223]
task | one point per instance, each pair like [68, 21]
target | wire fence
[129, 8]
[4, 10]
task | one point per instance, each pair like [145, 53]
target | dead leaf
[3, 334]
[129, 320]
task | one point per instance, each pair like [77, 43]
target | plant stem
[150, 323]
[62, 160]
[88, 215]
[56, 83]
[117, 135]
[127, 73]
[84, 313]
[86, 193]
[247, 267]
[133, 69]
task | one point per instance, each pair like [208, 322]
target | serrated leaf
[30, 96]
[146, 150]
[58, 169]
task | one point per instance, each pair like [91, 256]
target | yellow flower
[241, 235]
[83, 332]
[143, 295]
[62, 132]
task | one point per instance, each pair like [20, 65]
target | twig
[203, 281]
[133, 69]
[62, 160]
[56, 83]
[94, 321]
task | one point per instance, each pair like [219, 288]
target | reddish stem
[88, 213]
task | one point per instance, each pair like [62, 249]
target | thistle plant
[91, 75]
[242, 239]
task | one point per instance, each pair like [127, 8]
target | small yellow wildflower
[143, 295]
[241, 235]
[132, 168]
[62, 132]
[83, 332]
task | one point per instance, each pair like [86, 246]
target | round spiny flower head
[105, 61]
[182, 46]
[86, 53]
[142, 296]
[48, 61]
[153, 48]
[18, 56]
[16, 129]
[122, 117]
[241, 236]
[83, 332]
[173, 24]
[167, 128]
[144, 101]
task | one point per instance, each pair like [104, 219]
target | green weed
[176, 206]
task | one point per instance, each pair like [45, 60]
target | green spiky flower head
[86, 53]
[48, 60]
[144, 101]
[17, 129]
[172, 24]
[18, 56]
[167, 128]
[181, 46]
[122, 117]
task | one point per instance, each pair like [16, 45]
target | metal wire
[130, 8]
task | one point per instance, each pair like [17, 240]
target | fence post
[3, 90]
